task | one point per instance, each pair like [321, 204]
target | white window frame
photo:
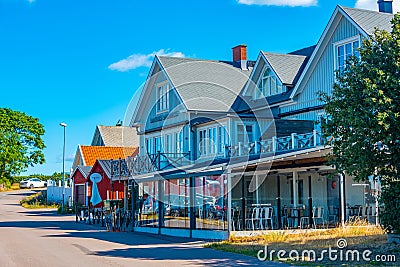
[211, 142]
[260, 91]
[162, 92]
[336, 45]
[245, 133]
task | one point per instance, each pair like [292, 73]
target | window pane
[273, 86]
[349, 50]
[250, 134]
[279, 88]
[240, 131]
[268, 87]
[340, 50]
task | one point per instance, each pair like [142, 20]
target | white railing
[138, 165]
[277, 144]
[148, 163]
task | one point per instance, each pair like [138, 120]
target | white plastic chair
[268, 216]
[318, 215]
[255, 217]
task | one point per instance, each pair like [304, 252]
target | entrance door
[333, 196]
[80, 194]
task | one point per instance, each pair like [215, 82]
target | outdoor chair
[284, 217]
[332, 215]
[268, 213]
[304, 220]
[366, 213]
[249, 218]
[356, 214]
[318, 215]
[234, 219]
[256, 218]
[292, 217]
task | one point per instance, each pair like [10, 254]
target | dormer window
[162, 97]
[268, 84]
[344, 50]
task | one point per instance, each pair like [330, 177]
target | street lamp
[64, 125]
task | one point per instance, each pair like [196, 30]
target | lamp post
[64, 125]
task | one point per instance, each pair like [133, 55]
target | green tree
[364, 114]
[21, 143]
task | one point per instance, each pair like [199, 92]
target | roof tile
[92, 153]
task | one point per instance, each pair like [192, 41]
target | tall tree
[21, 143]
[364, 114]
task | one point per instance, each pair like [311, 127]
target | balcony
[138, 165]
[160, 161]
[276, 144]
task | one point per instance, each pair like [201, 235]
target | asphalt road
[30, 238]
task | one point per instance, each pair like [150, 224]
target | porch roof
[298, 159]
[306, 158]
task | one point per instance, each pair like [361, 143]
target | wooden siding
[287, 127]
[173, 116]
[322, 77]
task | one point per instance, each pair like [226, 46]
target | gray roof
[286, 66]
[115, 136]
[106, 165]
[85, 170]
[369, 20]
[205, 84]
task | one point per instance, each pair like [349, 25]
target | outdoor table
[262, 205]
[300, 211]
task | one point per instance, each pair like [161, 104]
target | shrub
[389, 216]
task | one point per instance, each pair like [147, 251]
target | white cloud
[373, 5]
[291, 3]
[140, 60]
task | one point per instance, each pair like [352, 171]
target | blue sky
[80, 62]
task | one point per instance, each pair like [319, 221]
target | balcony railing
[273, 145]
[160, 161]
[149, 163]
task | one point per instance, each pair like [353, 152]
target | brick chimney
[240, 56]
[385, 6]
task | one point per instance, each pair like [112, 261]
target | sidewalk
[169, 250]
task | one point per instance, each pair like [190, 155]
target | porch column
[342, 199]
[229, 192]
[243, 205]
[295, 188]
[257, 189]
[310, 207]
[87, 194]
[192, 201]
[278, 185]
[125, 195]
[133, 202]
[160, 205]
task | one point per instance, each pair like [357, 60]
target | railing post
[256, 147]
[158, 160]
[315, 137]
[293, 136]
[274, 146]
[240, 148]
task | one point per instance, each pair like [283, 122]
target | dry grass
[15, 186]
[358, 236]
[37, 201]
